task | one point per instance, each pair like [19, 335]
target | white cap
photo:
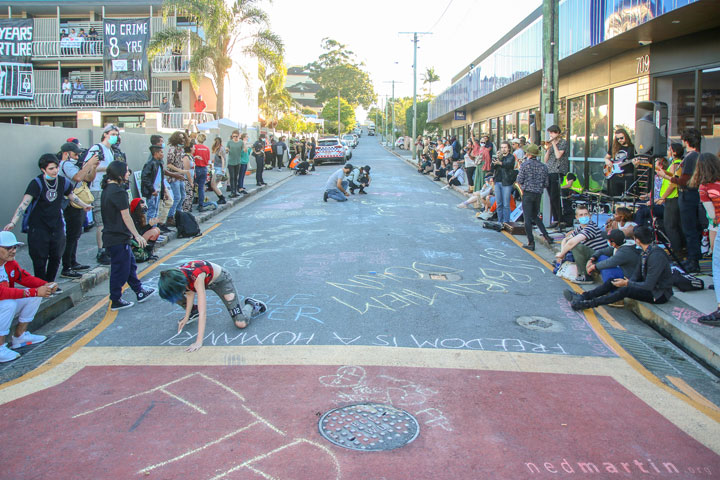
[515, 140]
[7, 239]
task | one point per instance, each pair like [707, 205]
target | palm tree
[273, 97]
[430, 77]
[225, 26]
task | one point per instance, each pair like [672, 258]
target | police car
[329, 150]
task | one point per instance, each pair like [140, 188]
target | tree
[292, 122]
[273, 97]
[422, 114]
[240, 24]
[337, 69]
[430, 77]
[330, 114]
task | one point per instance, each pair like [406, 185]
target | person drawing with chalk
[179, 285]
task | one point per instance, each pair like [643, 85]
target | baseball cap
[70, 147]
[515, 140]
[73, 140]
[7, 239]
[616, 236]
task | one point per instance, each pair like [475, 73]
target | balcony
[171, 66]
[180, 120]
[59, 102]
[66, 48]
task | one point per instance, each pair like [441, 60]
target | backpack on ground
[686, 282]
[28, 211]
[186, 225]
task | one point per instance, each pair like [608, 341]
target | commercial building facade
[613, 53]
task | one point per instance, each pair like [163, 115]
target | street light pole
[392, 135]
[414, 122]
[338, 128]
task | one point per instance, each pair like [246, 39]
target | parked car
[330, 149]
[348, 150]
[371, 132]
[350, 139]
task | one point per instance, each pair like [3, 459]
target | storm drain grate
[369, 427]
[438, 276]
[31, 357]
[660, 356]
[543, 324]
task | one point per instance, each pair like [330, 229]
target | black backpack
[186, 225]
[686, 282]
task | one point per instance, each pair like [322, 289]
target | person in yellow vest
[672, 226]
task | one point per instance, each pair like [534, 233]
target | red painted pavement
[254, 422]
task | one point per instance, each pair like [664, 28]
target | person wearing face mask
[105, 155]
[483, 162]
[582, 242]
[46, 228]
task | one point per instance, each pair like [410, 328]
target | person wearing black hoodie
[651, 282]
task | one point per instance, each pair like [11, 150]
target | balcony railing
[80, 47]
[171, 64]
[181, 120]
[59, 101]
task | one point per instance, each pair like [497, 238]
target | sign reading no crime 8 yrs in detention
[127, 72]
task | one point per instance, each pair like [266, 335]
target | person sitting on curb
[20, 303]
[336, 186]
[359, 178]
[179, 285]
[651, 282]
[618, 260]
[582, 242]
[456, 177]
[138, 212]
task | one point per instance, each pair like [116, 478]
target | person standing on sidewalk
[689, 198]
[175, 174]
[20, 303]
[504, 179]
[234, 150]
[119, 230]
[73, 169]
[258, 149]
[669, 198]
[106, 155]
[46, 228]
[202, 160]
[533, 179]
[313, 151]
[558, 163]
[280, 149]
[152, 184]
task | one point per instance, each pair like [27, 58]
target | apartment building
[68, 47]
[302, 89]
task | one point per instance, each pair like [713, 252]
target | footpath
[675, 320]
[74, 290]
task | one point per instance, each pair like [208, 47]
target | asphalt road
[395, 298]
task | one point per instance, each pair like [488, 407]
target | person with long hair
[244, 162]
[180, 285]
[119, 230]
[175, 165]
[621, 154]
[138, 212]
[504, 179]
[707, 179]
[217, 174]
[234, 149]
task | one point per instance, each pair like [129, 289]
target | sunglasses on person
[14, 247]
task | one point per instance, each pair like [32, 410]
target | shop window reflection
[710, 110]
[576, 137]
[678, 91]
[597, 138]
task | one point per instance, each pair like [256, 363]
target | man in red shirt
[20, 303]
[202, 160]
[200, 105]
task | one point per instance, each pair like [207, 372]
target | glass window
[678, 91]
[597, 138]
[562, 114]
[576, 136]
[523, 126]
[623, 113]
[710, 110]
[510, 131]
[483, 127]
[493, 130]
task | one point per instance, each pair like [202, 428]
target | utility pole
[392, 134]
[338, 129]
[548, 92]
[414, 122]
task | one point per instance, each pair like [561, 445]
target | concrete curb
[691, 340]
[73, 292]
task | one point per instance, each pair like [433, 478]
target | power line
[442, 15]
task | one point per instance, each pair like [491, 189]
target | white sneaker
[7, 355]
[26, 339]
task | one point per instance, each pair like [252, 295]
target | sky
[461, 31]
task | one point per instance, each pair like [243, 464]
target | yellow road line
[610, 341]
[109, 318]
[691, 392]
[608, 318]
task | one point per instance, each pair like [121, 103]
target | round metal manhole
[543, 324]
[369, 427]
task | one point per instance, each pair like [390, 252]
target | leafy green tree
[273, 97]
[240, 25]
[337, 70]
[423, 127]
[330, 114]
[429, 77]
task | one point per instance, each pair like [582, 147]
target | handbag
[82, 191]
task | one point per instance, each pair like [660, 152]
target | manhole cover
[369, 427]
[533, 322]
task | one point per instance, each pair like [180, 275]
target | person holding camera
[77, 172]
[504, 175]
[105, 155]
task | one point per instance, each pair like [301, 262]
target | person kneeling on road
[15, 302]
[359, 178]
[651, 282]
[336, 186]
[179, 285]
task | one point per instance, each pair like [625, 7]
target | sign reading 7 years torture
[126, 67]
[16, 71]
